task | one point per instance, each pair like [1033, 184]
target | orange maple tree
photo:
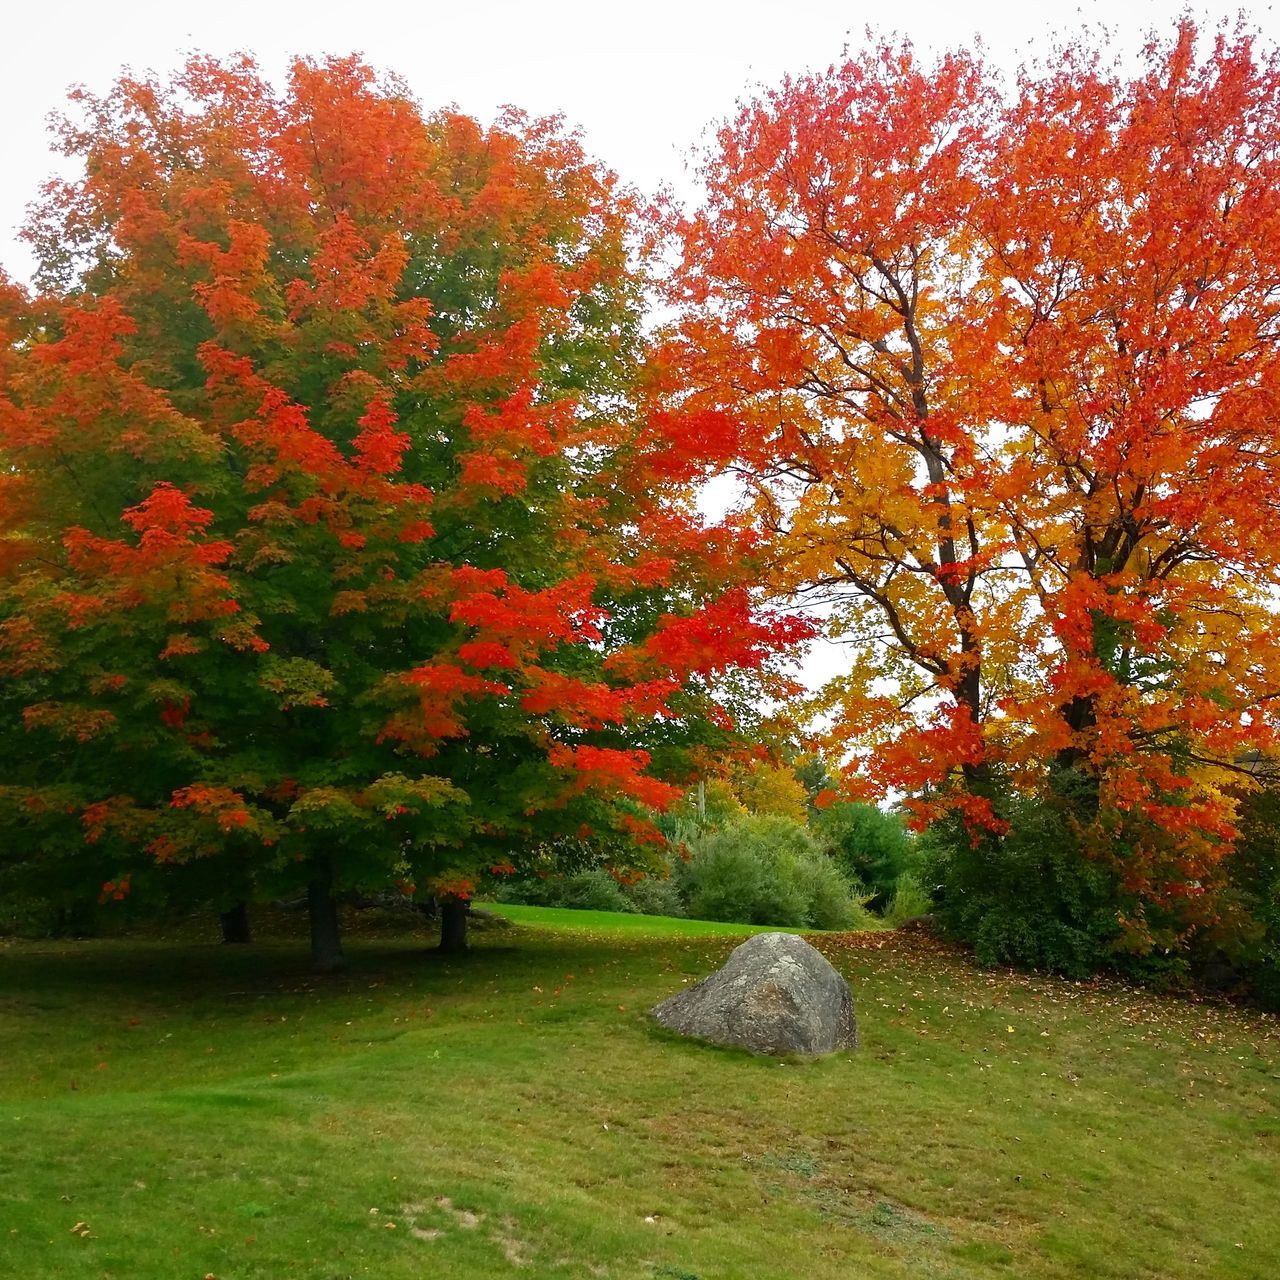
[999, 373]
[333, 552]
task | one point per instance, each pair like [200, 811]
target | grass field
[179, 1110]
[620, 922]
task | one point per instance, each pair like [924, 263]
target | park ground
[170, 1108]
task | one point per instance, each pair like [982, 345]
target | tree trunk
[453, 925]
[235, 924]
[75, 921]
[1070, 773]
[326, 939]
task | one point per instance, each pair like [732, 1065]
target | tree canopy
[349, 526]
[1000, 371]
[332, 550]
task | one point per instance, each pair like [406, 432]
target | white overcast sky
[642, 79]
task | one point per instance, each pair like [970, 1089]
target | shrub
[730, 877]
[767, 870]
[1037, 898]
[835, 902]
[1240, 952]
[909, 900]
[1029, 898]
[655, 896]
[873, 847]
[592, 890]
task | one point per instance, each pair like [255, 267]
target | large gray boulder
[775, 995]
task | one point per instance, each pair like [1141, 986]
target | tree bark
[235, 925]
[75, 921]
[453, 925]
[326, 937]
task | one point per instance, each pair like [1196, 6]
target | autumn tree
[333, 553]
[998, 372]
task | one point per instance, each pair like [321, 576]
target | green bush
[873, 847]
[767, 869]
[835, 902]
[1240, 953]
[655, 896]
[764, 869]
[1035, 898]
[1030, 898]
[909, 900]
[593, 890]
[729, 878]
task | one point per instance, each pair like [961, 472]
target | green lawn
[613, 922]
[218, 1112]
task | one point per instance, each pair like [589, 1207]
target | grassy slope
[219, 1112]
[615, 922]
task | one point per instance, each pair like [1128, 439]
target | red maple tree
[333, 550]
[999, 371]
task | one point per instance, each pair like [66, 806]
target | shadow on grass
[35, 973]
